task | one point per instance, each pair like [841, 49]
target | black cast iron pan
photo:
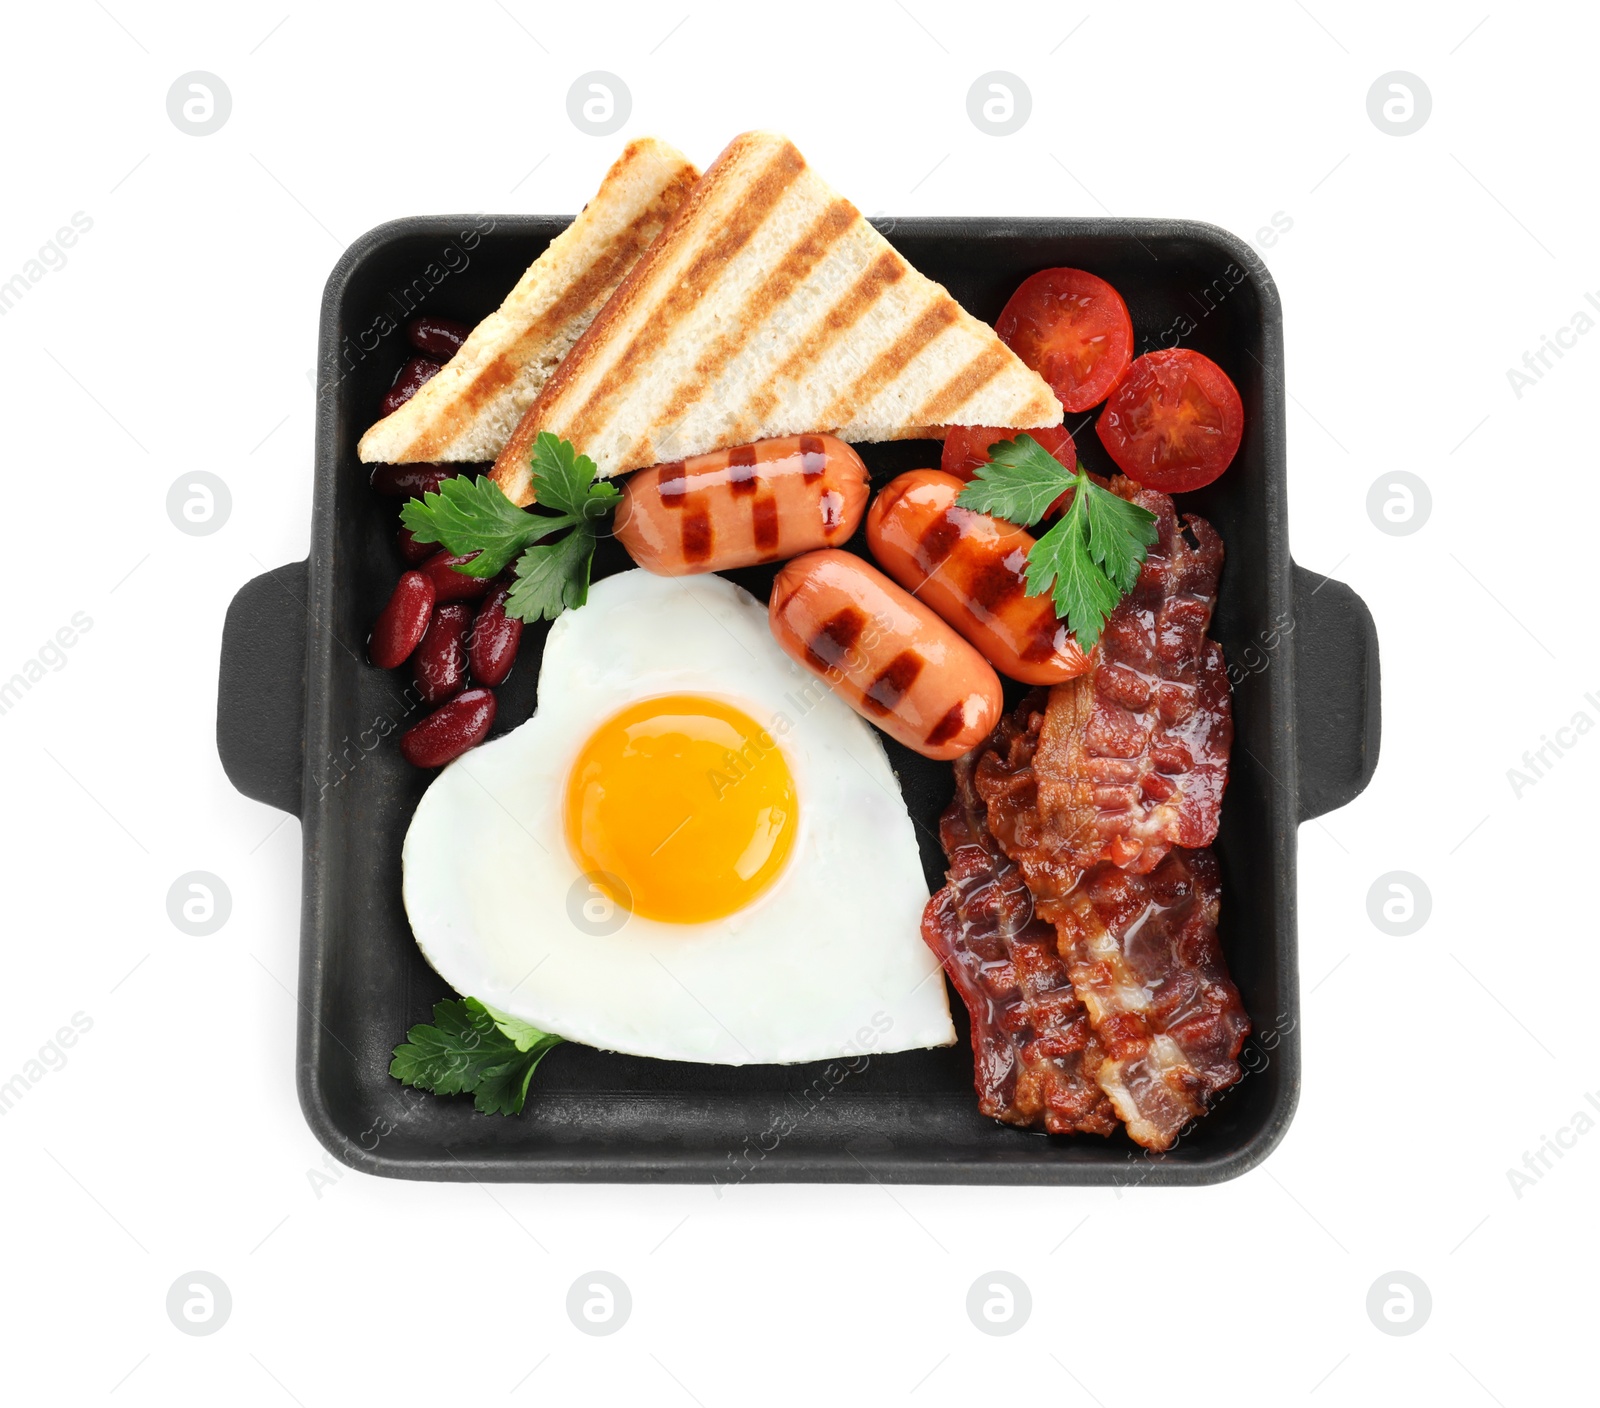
[305, 724]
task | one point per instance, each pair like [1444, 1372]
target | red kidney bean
[403, 622]
[450, 585]
[412, 481]
[410, 379]
[440, 660]
[413, 551]
[439, 338]
[449, 731]
[492, 646]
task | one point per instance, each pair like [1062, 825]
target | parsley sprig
[1089, 560]
[474, 516]
[472, 1049]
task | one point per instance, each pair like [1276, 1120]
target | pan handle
[261, 695]
[1337, 720]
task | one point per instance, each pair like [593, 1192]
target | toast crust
[469, 409]
[769, 306]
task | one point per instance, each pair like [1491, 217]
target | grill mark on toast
[628, 244]
[510, 469]
[792, 270]
[869, 287]
[761, 196]
[603, 272]
[889, 363]
[647, 291]
[964, 385]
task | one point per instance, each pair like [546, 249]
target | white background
[178, 337]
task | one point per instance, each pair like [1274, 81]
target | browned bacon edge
[1002, 774]
[1034, 1053]
[1133, 756]
[1144, 959]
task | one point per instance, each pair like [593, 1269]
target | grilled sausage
[968, 567]
[734, 508]
[885, 653]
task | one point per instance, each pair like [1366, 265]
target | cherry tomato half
[1071, 328]
[968, 446]
[1173, 422]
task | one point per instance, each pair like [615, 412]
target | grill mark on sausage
[893, 360]
[992, 585]
[955, 393]
[1041, 643]
[954, 720]
[833, 642]
[764, 522]
[697, 535]
[694, 283]
[742, 476]
[937, 542]
[886, 269]
[893, 683]
[813, 458]
[673, 485]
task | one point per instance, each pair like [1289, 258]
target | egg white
[827, 962]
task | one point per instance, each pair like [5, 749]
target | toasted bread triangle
[769, 307]
[469, 409]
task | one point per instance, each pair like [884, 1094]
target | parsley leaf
[474, 515]
[472, 1049]
[1021, 481]
[552, 577]
[1119, 534]
[523, 1036]
[562, 478]
[1089, 560]
[1083, 593]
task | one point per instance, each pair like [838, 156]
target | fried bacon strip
[1143, 956]
[1095, 802]
[1003, 777]
[1133, 756]
[1034, 1054]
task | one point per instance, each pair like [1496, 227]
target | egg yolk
[688, 802]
